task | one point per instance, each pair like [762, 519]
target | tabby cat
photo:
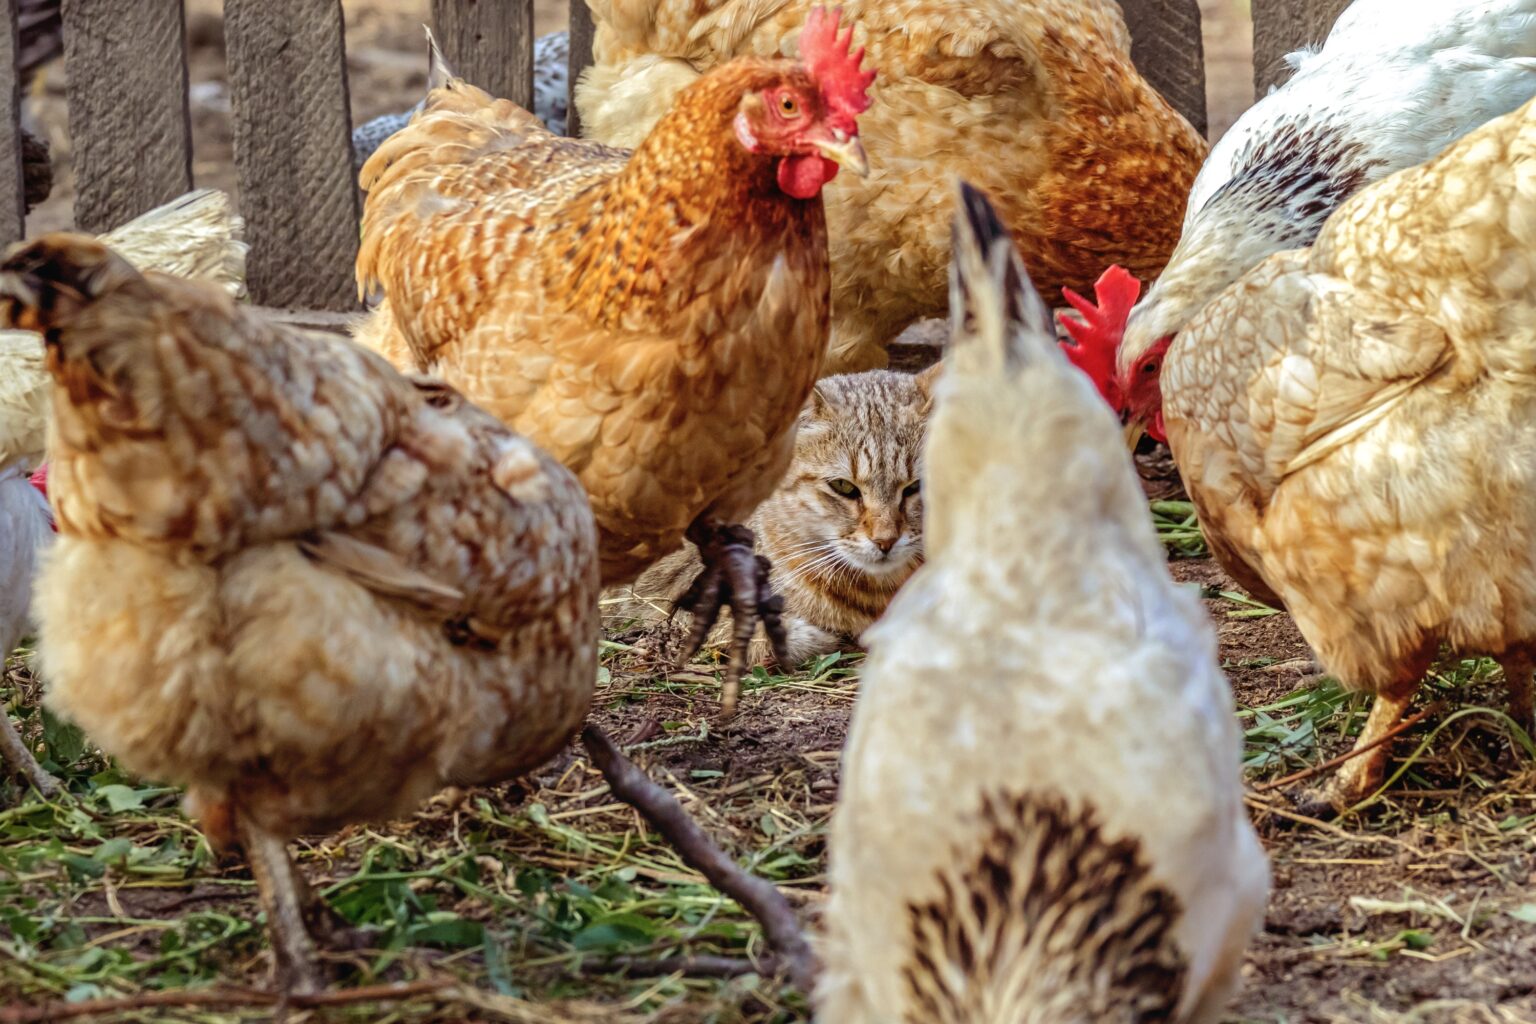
[845, 528]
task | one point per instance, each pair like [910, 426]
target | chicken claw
[15, 755]
[733, 576]
[283, 897]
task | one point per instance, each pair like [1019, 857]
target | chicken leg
[283, 897]
[20, 760]
[733, 576]
[1358, 777]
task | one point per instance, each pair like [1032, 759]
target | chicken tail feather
[995, 302]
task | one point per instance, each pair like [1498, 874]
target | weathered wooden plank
[13, 219]
[489, 43]
[293, 153]
[128, 117]
[1283, 26]
[1169, 51]
[580, 60]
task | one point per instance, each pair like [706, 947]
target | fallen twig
[688, 966]
[50, 1012]
[666, 815]
[1317, 769]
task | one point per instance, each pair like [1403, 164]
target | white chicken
[1395, 82]
[197, 235]
[1041, 816]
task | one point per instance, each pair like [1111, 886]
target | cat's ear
[927, 381]
[816, 406]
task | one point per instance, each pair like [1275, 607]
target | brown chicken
[655, 321]
[1356, 423]
[1035, 101]
[307, 588]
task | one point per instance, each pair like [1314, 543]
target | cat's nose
[885, 543]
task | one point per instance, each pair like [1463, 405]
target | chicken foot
[734, 576]
[283, 895]
[1360, 776]
[13, 750]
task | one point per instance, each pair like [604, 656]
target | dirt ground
[1418, 909]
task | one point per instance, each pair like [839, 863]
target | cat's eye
[843, 488]
[911, 488]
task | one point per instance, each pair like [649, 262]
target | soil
[1414, 912]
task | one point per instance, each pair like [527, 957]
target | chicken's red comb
[1097, 336]
[836, 70]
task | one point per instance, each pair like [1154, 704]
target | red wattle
[802, 176]
[1155, 428]
[40, 479]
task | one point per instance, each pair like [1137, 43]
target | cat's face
[851, 505]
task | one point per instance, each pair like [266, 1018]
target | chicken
[655, 321]
[307, 588]
[1035, 100]
[1356, 425]
[197, 235]
[26, 527]
[1394, 84]
[551, 71]
[1080, 851]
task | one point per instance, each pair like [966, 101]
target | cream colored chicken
[1356, 423]
[1041, 817]
[309, 589]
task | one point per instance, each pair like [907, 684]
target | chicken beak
[1133, 433]
[845, 151]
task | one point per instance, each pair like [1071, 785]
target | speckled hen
[307, 588]
[1356, 424]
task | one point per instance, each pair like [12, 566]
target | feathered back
[423, 162]
[198, 235]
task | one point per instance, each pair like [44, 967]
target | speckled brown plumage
[654, 321]
[1035, 101]
[309, 589]
[1354, 424]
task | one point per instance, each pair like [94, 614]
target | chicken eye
[788, 105]
[843, 488]
[911, 488]
[1149, 367]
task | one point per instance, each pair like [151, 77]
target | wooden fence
[131, 131]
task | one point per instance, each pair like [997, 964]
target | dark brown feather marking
[1051, 913]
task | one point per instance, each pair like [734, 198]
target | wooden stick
[666, 815]
[1317, 769]
[688, 966]
[217, 997]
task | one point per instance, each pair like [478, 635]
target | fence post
[1283, 26]
[293, 150]
[1169, 51]
[490, 44]
[126, 65]
[580, 59]
[13, 220]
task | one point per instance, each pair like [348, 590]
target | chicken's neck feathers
[691, 206]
